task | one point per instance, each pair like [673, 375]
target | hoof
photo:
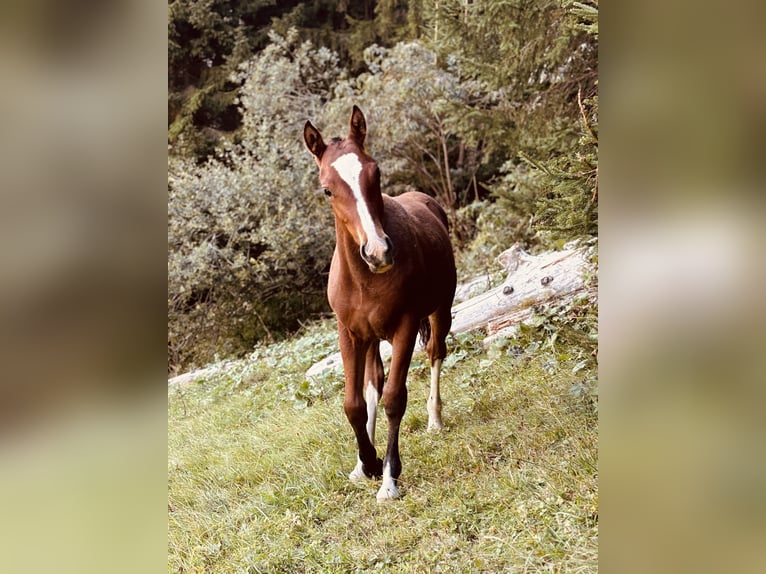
[360, 471]
[377, 470]
[388, 491]
[435, 425]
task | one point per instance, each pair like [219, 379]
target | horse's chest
[366, 311]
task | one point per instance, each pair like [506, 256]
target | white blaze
[349, 169]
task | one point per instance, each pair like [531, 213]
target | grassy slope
[258, 464]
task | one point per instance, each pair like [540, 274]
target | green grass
[258, 462]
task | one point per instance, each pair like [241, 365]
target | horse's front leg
[353, 351]
[395, 403]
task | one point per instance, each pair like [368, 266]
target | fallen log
[531, 280]
[193, 376]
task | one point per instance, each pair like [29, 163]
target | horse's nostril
[378, 256]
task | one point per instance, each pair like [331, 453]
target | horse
[392, 276]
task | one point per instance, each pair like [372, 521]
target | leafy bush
[249, 237]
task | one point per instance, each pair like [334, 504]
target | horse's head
[351, 179]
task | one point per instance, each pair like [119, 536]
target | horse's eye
[327, 192]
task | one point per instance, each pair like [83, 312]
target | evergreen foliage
[534, 108]
[207, 40]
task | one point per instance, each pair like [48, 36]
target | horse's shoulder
[421, 207]
[411, 198]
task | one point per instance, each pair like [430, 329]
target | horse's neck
[348, 252]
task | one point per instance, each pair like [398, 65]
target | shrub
[249, 236]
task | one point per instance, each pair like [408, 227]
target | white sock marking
[434, 404]
[371, 397]
[349, 168]
[357, 474]
[388, 489]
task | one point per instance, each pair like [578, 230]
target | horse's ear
[358, 129]
[313, 140]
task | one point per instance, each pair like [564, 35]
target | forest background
[491, 106]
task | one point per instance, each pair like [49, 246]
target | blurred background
[86, 108]
[682, 312]
[82, 274]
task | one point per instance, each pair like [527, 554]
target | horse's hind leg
[441, 321]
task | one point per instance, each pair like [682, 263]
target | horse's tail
[425, 331]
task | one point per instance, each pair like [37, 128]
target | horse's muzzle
[379, 259]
